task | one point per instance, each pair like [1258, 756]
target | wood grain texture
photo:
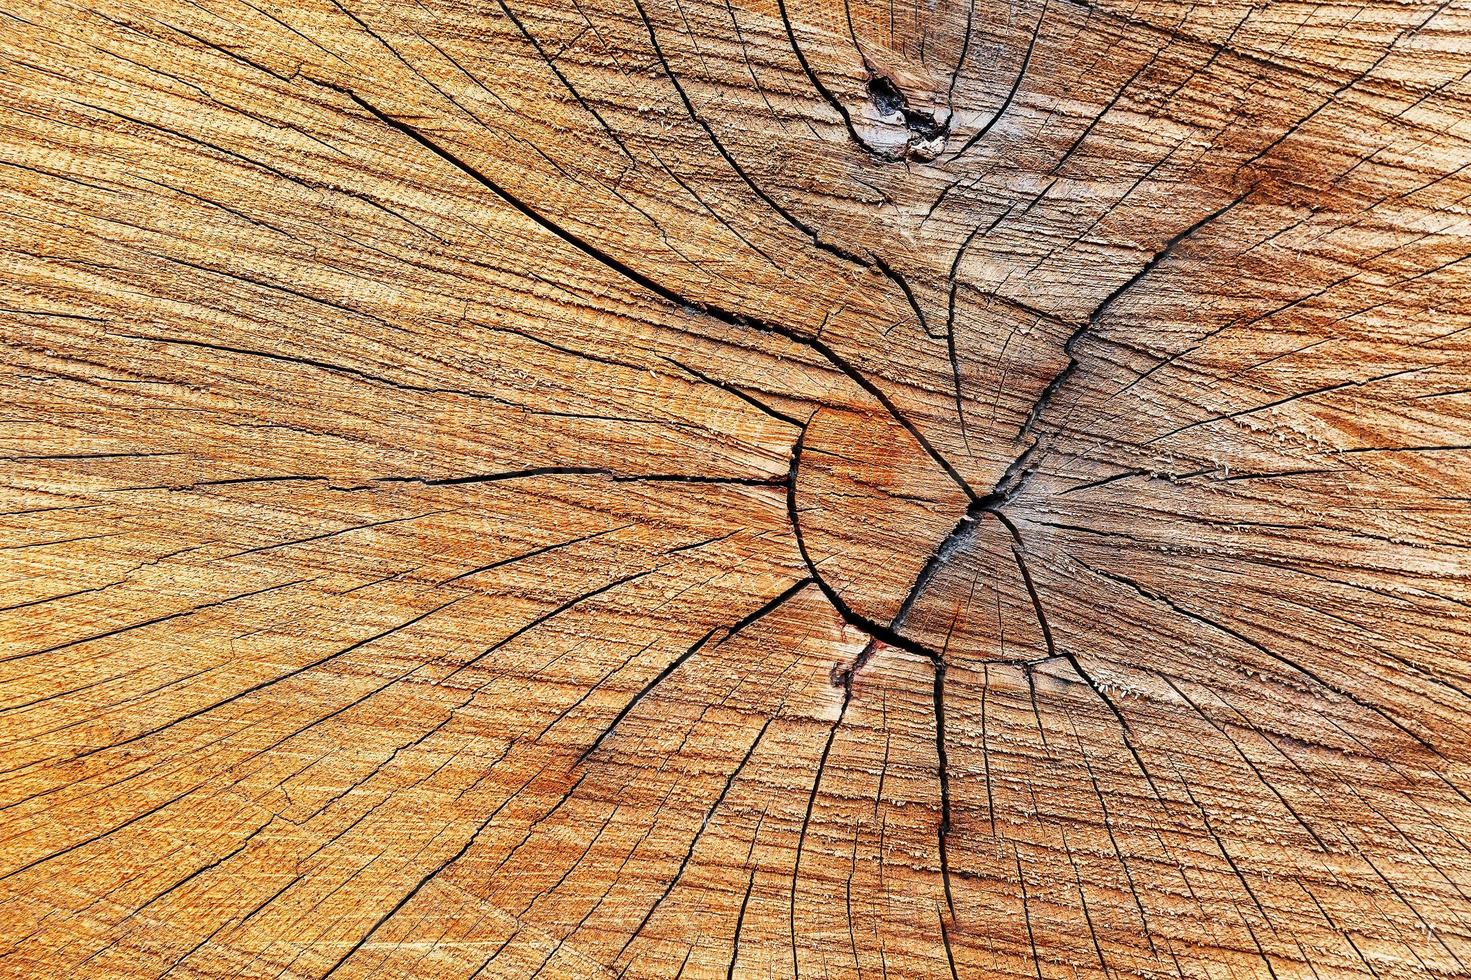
[735, 488]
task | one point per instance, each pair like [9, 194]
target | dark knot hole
[888, 100]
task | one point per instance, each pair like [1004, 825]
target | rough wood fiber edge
[747, 488]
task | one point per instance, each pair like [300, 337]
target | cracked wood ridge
[955, 489]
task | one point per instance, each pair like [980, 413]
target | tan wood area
[951, 489]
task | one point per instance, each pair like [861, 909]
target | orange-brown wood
[735, 488]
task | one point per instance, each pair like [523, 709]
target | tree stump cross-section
[736, 488]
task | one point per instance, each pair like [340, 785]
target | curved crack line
[725, 154]
[1125, 729]
[890, 635]
[871, 261]
[566, 82]
[950, 321]
[1010, 95]
[852, 617]
[817, 83]
[728, 317]
[766, 608]
[990, 123]
[1015, 477]
[970, 16]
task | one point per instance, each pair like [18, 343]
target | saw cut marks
[767, 488]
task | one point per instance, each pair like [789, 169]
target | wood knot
[925, 132]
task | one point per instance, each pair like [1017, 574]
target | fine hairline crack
[889, 635]
[729, 317]
[1007, 487]
[1011, 481]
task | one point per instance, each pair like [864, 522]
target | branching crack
[729, 317]
[1016, 474]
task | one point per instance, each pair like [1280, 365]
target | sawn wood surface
[946, 489]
